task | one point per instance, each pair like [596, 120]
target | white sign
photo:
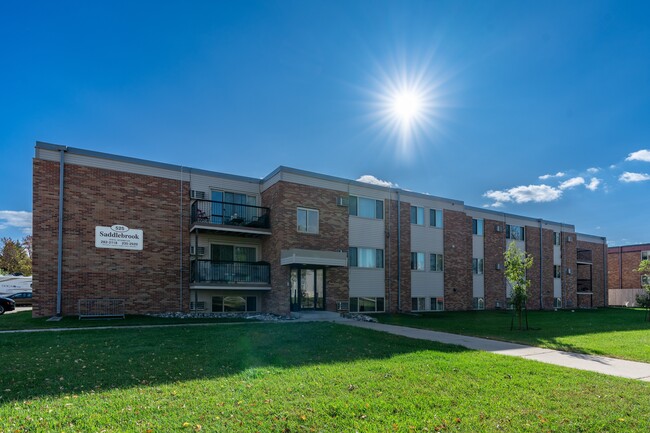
[118, 237]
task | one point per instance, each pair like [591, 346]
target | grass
[24, 320]
[615, 332]
[295, 377]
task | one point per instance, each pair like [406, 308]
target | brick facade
[151, 280]
[458, 260]
[540, 274]
[283, 199]
[393, 286]
[494, 238]
[569, 259]
[622, 263]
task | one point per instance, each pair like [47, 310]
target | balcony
[230, 273]
[230, 217]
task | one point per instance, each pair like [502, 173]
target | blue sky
[509, 92]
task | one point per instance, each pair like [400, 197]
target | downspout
[59, 288]
[605, 282]
[181, 241]
[399, 255]
[541, 266]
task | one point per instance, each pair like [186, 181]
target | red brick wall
[494, 247]
[597, 271]
[392, 256]
[569, 260]
[283, 199]
[542, 265]
[624, 261]
[458, 260]
[149, 280]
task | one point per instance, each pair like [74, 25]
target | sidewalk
[598, 364]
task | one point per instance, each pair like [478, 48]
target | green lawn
[24, 320]
[615, 332]
[295, 377]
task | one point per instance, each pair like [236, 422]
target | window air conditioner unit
[568, 271]
[342, 306]
[498, 266]
[200, 251]
[199, 195]
[498, 229]
[569, 238]
[342, 201]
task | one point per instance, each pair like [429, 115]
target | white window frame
[375, 253]
[434, 303]
[477, 266]
[417, 261]
[419, 215]
[436, 221]
[478, 226]
[442, 262]
[307, 229]
[358, 207]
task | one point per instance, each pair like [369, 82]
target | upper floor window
[366, 207]
[557, 271]
[307, 220]
[366, 257]
[645, 255]
[417, 261]
[477, 266]
[557, 238]
[435, 218]
[436, 262]
[417, 215]
[515, 232]
[477, 227]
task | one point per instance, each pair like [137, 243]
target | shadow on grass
[50, 364]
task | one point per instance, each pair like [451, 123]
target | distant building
[624, 282]
[164, 238]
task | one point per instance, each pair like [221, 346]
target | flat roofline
[504, 214]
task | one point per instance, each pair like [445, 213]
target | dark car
[21, 298]
[7, 304]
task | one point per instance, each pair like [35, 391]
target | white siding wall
[557, 255]
[367, 232]
[478, 286]
[478, 281]
[427, 239]
[557, 287]
[205, 183]
[425, 283]
[367, 282]
[205, 240]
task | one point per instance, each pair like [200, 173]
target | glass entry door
[307, 289]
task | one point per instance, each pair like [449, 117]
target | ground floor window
[200, 305]
[437, 304]
[234, 304]
[366, 305]
[418, 304]
[479, 304]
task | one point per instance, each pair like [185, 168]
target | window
[515, 232]
[417, 215]
[435, 218]
[557, 271]
[366, 207]
[227, 206]
[477, 227]
[645, 255]
[417, 261]
[437, 304]
[436, 262]
[477, 266]
[479, 304]
[418, 304]
[366, 305]
[557, 238]
[366, 257]
[307, 220]
[225, 304]
[200, 305]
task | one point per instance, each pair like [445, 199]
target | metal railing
[234, 214]
[207, 271]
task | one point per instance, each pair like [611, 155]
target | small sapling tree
[643, 299]
[516, 264]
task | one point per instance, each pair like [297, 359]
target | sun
[407, 105]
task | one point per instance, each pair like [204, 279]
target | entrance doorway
[307, 289]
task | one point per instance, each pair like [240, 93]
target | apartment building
[163, 238]
[624, 282]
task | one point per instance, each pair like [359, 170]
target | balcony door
[307, 289]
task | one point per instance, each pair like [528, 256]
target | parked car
[7, 304]
[21, 298]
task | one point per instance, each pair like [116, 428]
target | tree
[516, 264]
[14, 257]
[644, 299]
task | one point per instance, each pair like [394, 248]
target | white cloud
[573, 182]
[17, 219]
[593, 170]
[628, 177]
[548, 176]
[368, 178]
[524, 194]
[639, 155]
[593, 184]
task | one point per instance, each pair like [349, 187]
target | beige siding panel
[205, 240]
[360, 191]
[477, 247]
[478, 286]
[557, 287]
[427, 239]
[271, 181]
[433, 203]
[110, 164]
[557, 254]
[315, 181]
[367, 282]
[366, 232]
[427, 284]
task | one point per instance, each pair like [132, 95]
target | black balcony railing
[225, 213]
[207, 271]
